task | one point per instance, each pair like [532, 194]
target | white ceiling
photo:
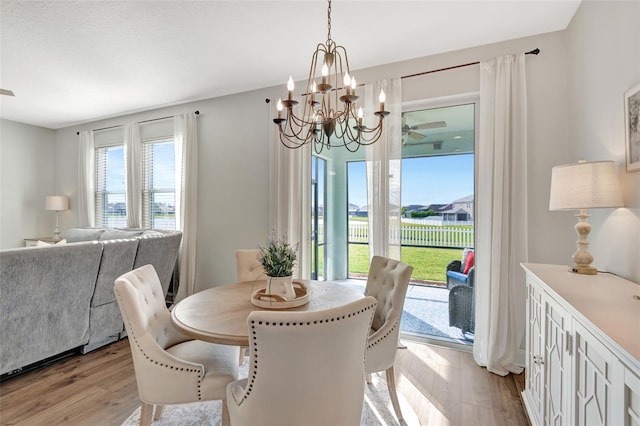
[70, 62]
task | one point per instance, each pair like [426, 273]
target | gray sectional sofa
[60, 298]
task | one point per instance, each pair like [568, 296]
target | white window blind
[158, 191]
[111, 209]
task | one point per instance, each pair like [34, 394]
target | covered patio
[426, 313]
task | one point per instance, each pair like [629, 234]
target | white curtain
[290, 196]
[384, 167]
[185, 131]
[133, 175]
[501, 219]
[86, 179]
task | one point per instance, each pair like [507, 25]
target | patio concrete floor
[426, 313]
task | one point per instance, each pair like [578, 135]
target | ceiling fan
[6, 92]
[437, 145]
[410, 131]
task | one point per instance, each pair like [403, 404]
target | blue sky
[425, 180]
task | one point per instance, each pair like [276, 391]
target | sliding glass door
[318, 184]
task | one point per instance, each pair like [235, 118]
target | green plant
[277, 257]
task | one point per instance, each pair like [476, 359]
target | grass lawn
[428, 263]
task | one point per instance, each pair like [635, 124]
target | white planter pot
[281, 286]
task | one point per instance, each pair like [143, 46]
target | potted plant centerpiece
[278, 259]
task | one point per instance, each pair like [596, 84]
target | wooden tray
[274, 301]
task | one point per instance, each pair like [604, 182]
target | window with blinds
[158, 184]
[111, 202]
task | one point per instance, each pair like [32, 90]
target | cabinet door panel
[557, 366]
[595, 369]
[535, 349]
[631, 399]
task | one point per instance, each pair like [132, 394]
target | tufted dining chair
[170, 368]
[387, 281]
[310, 368]
[248, 267]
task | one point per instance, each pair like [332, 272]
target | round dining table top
[219, 314]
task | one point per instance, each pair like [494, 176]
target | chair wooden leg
[369, 378]
[391, 384]
[146, 412]
[226, 421]
[158, 412]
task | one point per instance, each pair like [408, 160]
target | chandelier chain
[329, 22]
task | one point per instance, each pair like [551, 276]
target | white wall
[604, 61]
[26, 178]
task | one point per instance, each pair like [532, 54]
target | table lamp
[56, 203]
[581, 186]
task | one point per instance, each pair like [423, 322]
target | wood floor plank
[443, 387]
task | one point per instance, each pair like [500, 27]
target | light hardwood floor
[443, 386]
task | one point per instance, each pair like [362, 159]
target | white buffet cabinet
[582, 348]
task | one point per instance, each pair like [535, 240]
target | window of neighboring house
[159, 184]
[111, 201]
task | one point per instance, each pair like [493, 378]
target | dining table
[219, 314]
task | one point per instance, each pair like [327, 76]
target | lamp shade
[585, 185]
[57, 203]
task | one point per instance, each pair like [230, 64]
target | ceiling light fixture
[329, 111]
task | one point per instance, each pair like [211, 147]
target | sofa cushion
[458, 276]
[74, 235]
[46, 294]
[117, 258]
[120, 234]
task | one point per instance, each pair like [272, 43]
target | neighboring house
[436, 208]
[459, 210]
[363, 211]
[352, 209]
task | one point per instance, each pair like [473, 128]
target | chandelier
[329, 117]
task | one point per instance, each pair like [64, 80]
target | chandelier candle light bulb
[290, 87]
[325, 73]
[347, 83]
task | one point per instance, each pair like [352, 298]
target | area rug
[377, 410]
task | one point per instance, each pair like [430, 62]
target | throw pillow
[465, 256]
[75, 235]
[40, 243]
[470, 262]
[120, 234]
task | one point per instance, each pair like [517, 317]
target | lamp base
[587, 270]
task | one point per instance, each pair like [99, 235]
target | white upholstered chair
[248, 267]
[306, 368]
[387, 282]
[170, 368]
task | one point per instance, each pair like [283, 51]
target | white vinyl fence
[428, 236]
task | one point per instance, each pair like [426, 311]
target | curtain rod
[535, 51]
[144, 121]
